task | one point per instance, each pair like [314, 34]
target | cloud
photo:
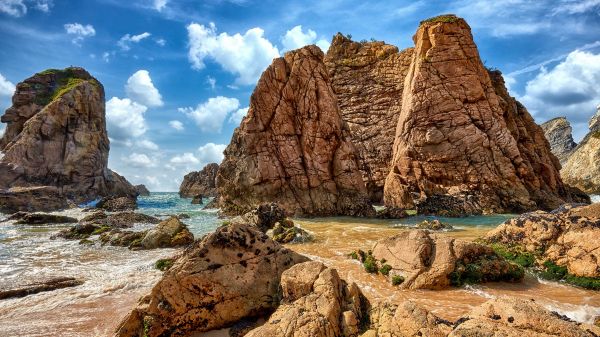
[295, 38]
[185, 159]
[243, 55]
[177, 125]
[125, 119]
[43, 5]
[126, 41]
[147, 145]
[139, 160]
[576, 7]
[159, 5]
[211, 81]
[14, 8]
[140, 89]
[211, 153]
[6, 87]
[79, 31]
[237, 116]
[569, 89]
[210, 115]
[161, 42]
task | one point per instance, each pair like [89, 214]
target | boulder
[582, 169]
[316, 303]
[142, 190]
[568, 236]
[368, 80]
[169, 233]
[434, 225]
[202, 182]
[117, 204]
[56, 142]
[293, 148]
[43, 219]
[559, 133]
[405, 319]
[391, 213]
[38, 287]
[197, 200]
[32, 199]
[460, 133]
[286, 232]
[428, 261]
[231, 274]
[119, 220]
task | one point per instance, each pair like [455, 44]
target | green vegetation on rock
[514, 254]
[385, 269]
[447, 18]
[164, 264]
[397, 280]
[65, 88]
[483, 270]
[554, 272]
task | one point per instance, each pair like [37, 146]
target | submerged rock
[558, 131]
[568, 237]
[460, 132]
[427, 261]
[43, 218]
[434, 225]
[117, 204]
[315, 303]
[391, 213]
[197, 200]
[38, 287]
[202, 182]
[293, 147]
[231, 274]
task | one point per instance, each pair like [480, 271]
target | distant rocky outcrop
[293, 147]
[202, 182]
[558, 131]
[142, 190]
[231, 274]
[582, 169]
[461, 134]
[368, 80]
[56, 138]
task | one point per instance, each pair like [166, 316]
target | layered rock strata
[559, 133]
[368, 79]
[293, 147]
[202, 182]
[460, 133]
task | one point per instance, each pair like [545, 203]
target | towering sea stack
[582, 169]
[293, 147]
[461, 140]
[200, 182]
[558, 131]
[56, 141]
[368, 79]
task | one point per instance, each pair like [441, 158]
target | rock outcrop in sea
[203, 183]
[368, 79]
[461, 134]
[582, 169]
[55, 146]
[559, 133]
[293, 147]
[142, 190]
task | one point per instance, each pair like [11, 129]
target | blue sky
[178, 74]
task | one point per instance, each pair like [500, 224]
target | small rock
[391, 213]
[434, 225]
[117, 204]
[44, 218]
[40, 286]
[169, 233]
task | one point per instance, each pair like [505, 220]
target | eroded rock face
[293, 147]
[368, 79]
[559, 133]
[230, 274]
[427, 261]
[200, 183]
[56, 137]
[582, 169]
[316, 303]
[568, 236]
[459, 132]
[142, 190]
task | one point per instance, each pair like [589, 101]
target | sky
[178, 74]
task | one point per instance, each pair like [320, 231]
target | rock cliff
[202, 183]
[293, 147]
[582, 169]
[459, 133]
[368, 79]
[56, 137]
[558, 131]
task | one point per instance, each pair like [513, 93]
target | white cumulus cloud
[15, 8]
[139, 160]
[210, 115]
[127, 39]
[147, 145]
[159, 5]
[140, 89]
[211, 153]
[6, 87]
[79, 31]
[185, 159]
[237, 116]
[246, 56]
[125, 119]
[296, 38]
[177, 125]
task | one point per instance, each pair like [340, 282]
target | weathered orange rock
[368, 79]
[293, 147]
[460, 134]
[202, 182]
[558, 131]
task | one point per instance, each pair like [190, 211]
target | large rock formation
[56, 137]
[202, 183]
[460, 134]
[368, 79]
[558, 131]
[293, 147]
[229, 275]
[582, 169]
